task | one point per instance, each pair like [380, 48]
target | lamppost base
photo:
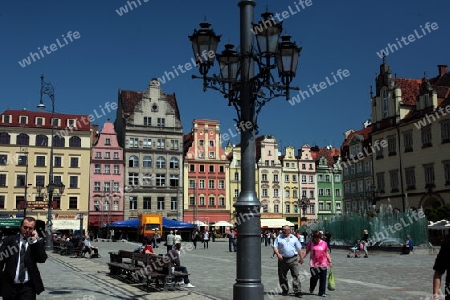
[249, 290]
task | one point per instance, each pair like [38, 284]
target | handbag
[331, 283]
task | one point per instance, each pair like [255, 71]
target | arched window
[75, 142]
[58, 141]
[5, 138]
[133, 162]
[23, 139]
[147, 162]
[174, 163]
[41, 140]
[160, 162]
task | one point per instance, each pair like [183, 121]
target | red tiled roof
[365, 132]
[329, 154]
[82, 121]
[410, 89]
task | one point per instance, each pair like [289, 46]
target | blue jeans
[183, 269]
[318, 274]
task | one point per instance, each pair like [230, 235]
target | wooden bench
[57, 246]
[117, 265]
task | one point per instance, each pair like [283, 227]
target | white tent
[199, 223]
[275, 223]
[223, 224]
[439, 225]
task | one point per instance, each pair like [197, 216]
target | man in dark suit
[19, 255]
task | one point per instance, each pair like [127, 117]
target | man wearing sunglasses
[19, 255]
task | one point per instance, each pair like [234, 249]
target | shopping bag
[331, 284]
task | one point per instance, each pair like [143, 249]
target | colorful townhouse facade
[26, 142]
[307, 183]
[206, 175]
[411, 122]
[290, 184]
[149, 129]
[106, 203]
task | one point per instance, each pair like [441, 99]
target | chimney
[442, 70]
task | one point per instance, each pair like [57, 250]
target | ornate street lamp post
[303, 203]
[47, 88]
[248, 93]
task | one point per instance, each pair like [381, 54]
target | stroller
[355, 250]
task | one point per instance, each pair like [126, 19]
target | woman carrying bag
[320, 260]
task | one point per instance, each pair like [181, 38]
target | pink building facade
[106, 182]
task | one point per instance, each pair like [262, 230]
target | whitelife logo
[411, 38]
[52, 48]
[124, 9]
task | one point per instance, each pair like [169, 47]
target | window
[23, 120]
[337, 178]
[264, 193]
[201, 184]
[107, 155]
[328, 205]
[40, 161]
[174, 163]
[147, 162]
[6, 119]
[160, 203]
[385, 104]
[327, 192]
[408, 141]
[320, 177]
[221, 201]
[20, 180]
[133, 161]
[174, 144]
[303, 178]
[221, 184]
[311, 178]
[116, 155]
[295, 194]
[221, 169]
[380, 182]
[212, 154]
[23, 139]
[287, 194]
[320, 206]
[294, 178]
[378, 150]
[57, 179]
[286, 178]
[147, 201]
[147, 143]
[275, 208]
[2, 179]
[74, 142]
[96, 205]
[160, 179]
[116, 169]
[445, 131]
[41, 140]
[115, 186]
[311, 194]
[191, 201]
[133, 202]
[394, 181]
[426, 136]
[134, 142]
[275, 177]
[266, 163]
[107, 186]
[73, 203]
[174, 180]
[264, 177]
[426, 100]
[74, 162]
[201, 142]
[107, 169]
[236, 193]
[320, 192]
[173, 203]
[429, 176]
[160, 162]
[161, 144]
[133, 179]
[73, 182]
[202, 201]
[97, 186]
[107, 142]
[337, 192]
[275, 193]
[327, 178]
[211, 169]
[147, 121]
[58, 141]
[161, 122]
[5, 138]
[202, 168]
[57, 162]
[212, 201]
[211, 184]
[236, 176]
[98, 155]
[191, 168]
[191, 183]
[303, 166]
[97, 169]
[211, 143]
[201, 154]
[392, 146]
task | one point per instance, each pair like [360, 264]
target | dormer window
[23, 119]
[55, 122]
[6, 119]
[385, 104]
[71, 123]
[39, 121]
[154, 107]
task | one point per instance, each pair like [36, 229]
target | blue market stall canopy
[167, 223]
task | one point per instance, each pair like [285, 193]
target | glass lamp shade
[61, 188]
[204, 41]
[287, 61]
[267, 33]
[229, 62]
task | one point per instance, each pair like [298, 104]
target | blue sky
[126, 51]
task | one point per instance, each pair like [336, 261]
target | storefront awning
[275, 223]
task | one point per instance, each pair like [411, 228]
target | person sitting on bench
[175, 256]
[89, 248]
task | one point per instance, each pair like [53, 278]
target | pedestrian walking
[232, 241]
[21, 277]
[170, 241]
[442, 265]
[289, 252]
[205, 239]
[319, 262]
[195, 238]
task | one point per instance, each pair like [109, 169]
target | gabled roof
[330, 154]
[365, 132]
[410, 89]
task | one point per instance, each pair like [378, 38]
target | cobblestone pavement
[384, 275]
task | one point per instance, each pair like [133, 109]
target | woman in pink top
[319, 262]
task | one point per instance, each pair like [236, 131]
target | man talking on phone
[19, 255]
